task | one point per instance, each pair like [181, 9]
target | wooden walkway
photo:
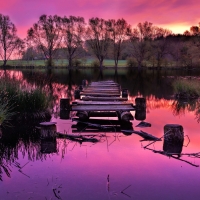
[100, 97]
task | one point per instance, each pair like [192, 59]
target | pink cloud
[183, 13]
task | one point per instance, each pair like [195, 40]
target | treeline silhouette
[71, 38]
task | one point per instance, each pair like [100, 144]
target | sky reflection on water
[80, 171]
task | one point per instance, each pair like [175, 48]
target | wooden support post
[140, 115]
[48, 130]
[64, 108]
[80, 87]
[124, 93]
[77, 94]
[84, 83]
[140, 103]
[173, 138]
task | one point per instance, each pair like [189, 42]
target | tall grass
[22, 101]
[189, 88]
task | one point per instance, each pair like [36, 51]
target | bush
[95, 63]
[76, 63]
[131, 62]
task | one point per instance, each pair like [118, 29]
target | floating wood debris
[143, 134]
[143, 124]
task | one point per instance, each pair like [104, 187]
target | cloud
[182, 13]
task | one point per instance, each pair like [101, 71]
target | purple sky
[176, 15]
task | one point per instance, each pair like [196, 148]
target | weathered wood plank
[108, 94]
[102, 107]
[91, 98]
[101, 103]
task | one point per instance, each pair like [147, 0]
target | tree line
[54, 37]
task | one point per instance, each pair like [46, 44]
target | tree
[73, 29]
[160, 44]
[195, 30]
[119, 29]
[47, 35]
[98, 38]
[140, 38]
[9, 41]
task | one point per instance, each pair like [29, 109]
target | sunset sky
[176, 15]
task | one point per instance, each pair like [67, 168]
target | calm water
[117, 167]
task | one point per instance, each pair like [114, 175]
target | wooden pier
[102, 98]
[98, 100]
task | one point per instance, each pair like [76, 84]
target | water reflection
[181, 107]
[78, 164]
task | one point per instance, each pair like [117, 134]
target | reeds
[186, 88]
[22, 102]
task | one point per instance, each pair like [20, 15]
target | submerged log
[143, 134]
[143, 124]
[173, 138]
[77, 138]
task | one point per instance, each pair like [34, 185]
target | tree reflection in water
[180, 107]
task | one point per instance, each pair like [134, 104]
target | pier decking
[102, 96]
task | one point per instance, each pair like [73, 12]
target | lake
[117, 166]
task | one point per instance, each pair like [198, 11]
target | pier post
[77, 94]
[140, 113]
[173, 138]
[84, 82]
[124, 93]
[64, 108]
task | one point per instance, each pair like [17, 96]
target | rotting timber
[103, 98]
[99, 99]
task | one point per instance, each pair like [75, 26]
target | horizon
[175, 15]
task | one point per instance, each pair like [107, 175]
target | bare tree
[9, 41]
[98, 38]
[160, 45]
[140, 37]
[73, 29]
[120, 29]
[47, 35]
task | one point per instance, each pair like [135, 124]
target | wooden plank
[101, 91]
[108, 94]
[91, 98]
[101, 103]
[101, 121]
[103, 86]
[102, 107]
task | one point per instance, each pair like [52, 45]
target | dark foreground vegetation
[22, 104]
[54, 38]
